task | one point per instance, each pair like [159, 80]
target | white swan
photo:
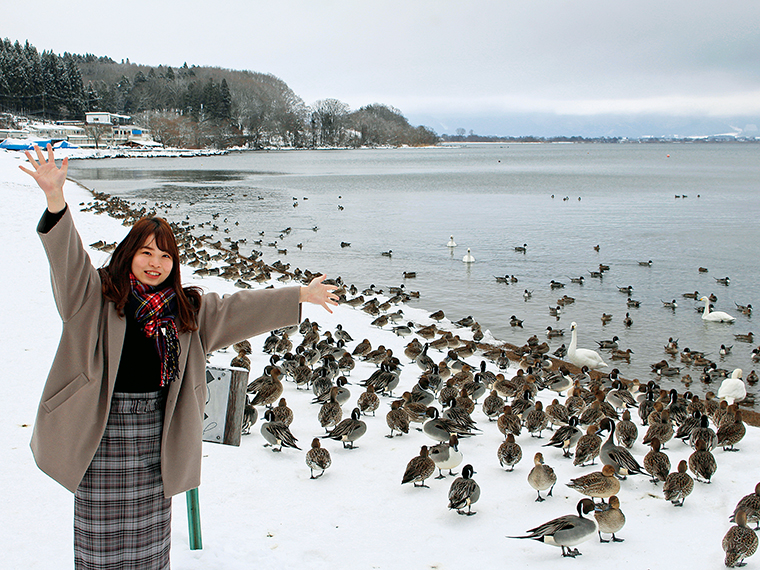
[468, 258]
[583, 356]
[715, 316]
[451, 243]
[733, 389]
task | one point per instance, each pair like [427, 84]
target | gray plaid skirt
[121, 518]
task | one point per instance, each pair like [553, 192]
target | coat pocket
[65, 393]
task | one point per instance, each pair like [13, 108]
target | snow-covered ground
[260, 509]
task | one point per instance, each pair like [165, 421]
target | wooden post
[194, 519]
[235, 407]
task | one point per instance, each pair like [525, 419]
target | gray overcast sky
[440, 59]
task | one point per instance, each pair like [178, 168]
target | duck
[730, 434]
[583, 356]
[282, 413]
[515, 322]
[749, 337]
[509, 422]
[368, 401]
[608, 344]
[267, 388]
[750, 504]
[536, 420]
[317, 458]
[446, 455]
[330, 413]
[588, 447]
[468, 257]
[740, 542]
[715, 316]
[464, 492]
[566, 437]
[678, 485]
[669, 304]
[349, 430]
[702, 462]
[610, 519]
[541, 477]
[627, 320]
[732, 389]
[277, 433]
[509, 453]
[618, 457]
[722, 280]
[626, 431]
[419, 469]
[451, 242]
[568, 530]
[527, 294]
[397, 419]
[744, 309]
[656, 462]
[598, 484]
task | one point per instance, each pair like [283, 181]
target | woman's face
[150, 265]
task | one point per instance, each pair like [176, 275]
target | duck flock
[446, 384]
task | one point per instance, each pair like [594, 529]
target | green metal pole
[194, 519]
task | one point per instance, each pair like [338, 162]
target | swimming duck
[446, 455]
[509, 453]
[464, 491]
[419, 469]
[541, 477]
[317, 458]
[277, 433]
[568, 530]
[599, 484]
[349, 430]
[669, 304]
[618, 457]
[744, 309]
[678, 485]
[521, 248]
[515, 322]
[722, 280]
[702, 463]
[468, 257]
[610, 519]
[740, 542]
[609, 344]
[750, 504]
[749, 337]
[582, 356]
[733, 389]
[715, 316]
[627, 320]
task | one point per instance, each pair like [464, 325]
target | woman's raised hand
[49, 177]
[319, 293]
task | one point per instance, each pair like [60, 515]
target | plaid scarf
[154, 311]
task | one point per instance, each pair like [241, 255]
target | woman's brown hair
[115, 274]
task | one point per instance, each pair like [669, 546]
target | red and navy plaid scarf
[154, 311]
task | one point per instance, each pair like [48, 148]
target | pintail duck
[317, 458]
[509, 422]
[277, 433]
[599, 484]
[588, 447]
[441, 429]
[397, 419]
[608, 344]
[618, 457]
[330, 413]
[541, 477]
[702, 463]
[250, 415]
[509, 453]
[282, 413]
[368, 401]
[349, 430]
[705, 433]
[419, 469]
[464, 492]
[661, 430]
[750, 504]
[568, 530]
[656, 462]
[610, 519]
[557, 414]
[446, 455]
[730, 434]
[515, 322]
[626, 431]
[633, 304]
[566, 437]
[553, 333]
[536, 420]
[740, 542]
[267, 388]
[678, 485]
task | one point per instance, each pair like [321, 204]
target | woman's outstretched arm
[49, 177]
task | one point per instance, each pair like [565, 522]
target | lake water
[682, 206]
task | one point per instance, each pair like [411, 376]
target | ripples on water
[492, 198]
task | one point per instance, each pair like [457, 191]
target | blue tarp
[64, 144]
[16, 144]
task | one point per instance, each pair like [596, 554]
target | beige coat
[74, 408]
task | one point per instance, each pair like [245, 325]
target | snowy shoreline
[261, 509]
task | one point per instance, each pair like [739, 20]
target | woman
[120, 419]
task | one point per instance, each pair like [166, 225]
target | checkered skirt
[121, 518]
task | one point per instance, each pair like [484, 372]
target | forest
[192, 106]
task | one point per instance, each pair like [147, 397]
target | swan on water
[715, 316]
[468, 258]
[451, 243]
[583, 356]
[732, 389]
